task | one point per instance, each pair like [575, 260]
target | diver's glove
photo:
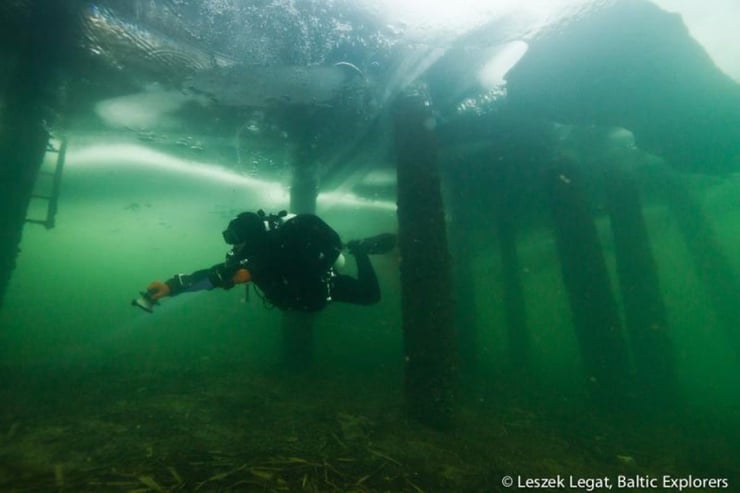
[147, 299]
[375, 245]
[158, 289]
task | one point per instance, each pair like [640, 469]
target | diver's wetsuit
[288, 279]
[310, 294]
[364, 290]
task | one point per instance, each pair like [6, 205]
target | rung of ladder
[53, 197]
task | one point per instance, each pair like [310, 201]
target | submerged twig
[384, 456]
[220, 476]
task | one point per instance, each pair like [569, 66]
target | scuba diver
[293, 260]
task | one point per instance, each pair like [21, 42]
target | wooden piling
[426, 281]
[297, 328]
[645, 316]
[713, 268]
[593, 308]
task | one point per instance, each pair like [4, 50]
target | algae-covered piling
[593, 308]
[426, 300]
[645, 315]
[298, 327]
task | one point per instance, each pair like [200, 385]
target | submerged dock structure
[427, 310]
[43, 38]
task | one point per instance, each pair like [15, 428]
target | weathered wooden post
[712, 266]
[461, 188]
[426, 282]
[297, 327]
[504, 187]
[514, 306]
[645, 314]
[593, 308]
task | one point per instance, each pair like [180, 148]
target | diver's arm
[364, 290]
[219, 275]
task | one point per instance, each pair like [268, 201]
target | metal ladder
[52, 198]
